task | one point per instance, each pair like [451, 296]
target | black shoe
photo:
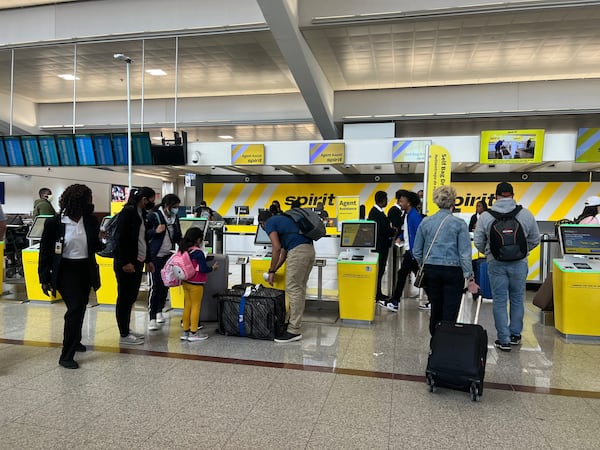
[382, 297]
[504, 346]
[515, 339]
[81, 348]
[69, 364]
[288, 337]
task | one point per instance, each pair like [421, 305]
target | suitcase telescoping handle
[462, 307]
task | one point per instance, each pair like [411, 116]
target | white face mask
[174, 211]
[49, 197]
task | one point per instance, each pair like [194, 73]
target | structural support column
[311, 80]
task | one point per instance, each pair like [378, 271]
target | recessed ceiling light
[225, 136]
[156, 72]
[68, 77]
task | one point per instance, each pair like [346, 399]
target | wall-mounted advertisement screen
[31, 151]
[49, 150]
[66, 150]
[103, 150]
[588, 145]
[85, 149]
[511, 146]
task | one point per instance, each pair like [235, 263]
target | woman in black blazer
[67, 263]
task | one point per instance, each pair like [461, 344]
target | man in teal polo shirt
[297, 251]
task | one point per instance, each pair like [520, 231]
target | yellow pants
[192, 300]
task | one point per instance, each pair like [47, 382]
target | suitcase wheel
[474, 392]
[431, 383]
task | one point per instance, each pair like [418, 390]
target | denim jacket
[452, 246]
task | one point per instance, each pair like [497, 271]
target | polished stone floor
[343, 386]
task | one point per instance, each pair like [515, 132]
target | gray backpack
[309, 223]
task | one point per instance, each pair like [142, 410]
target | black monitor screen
[242, 210]
[580, 239]
[14, 151]
[85, 150]
[66, 150]
[168, 155]
[140, 146]
[49, 150]
[119, 142]
[187, 224]
[261, 237]
[31, 151]
[3, 160]
[358, 234]
[103, 150]
[35, 232]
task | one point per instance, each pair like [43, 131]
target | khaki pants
[299, 263]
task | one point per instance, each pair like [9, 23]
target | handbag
[420, 276]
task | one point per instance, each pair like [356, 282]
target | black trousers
[74, 285]
[408, 265]
[158, 290]
[383, 257]
[128, 286]
[444, 290]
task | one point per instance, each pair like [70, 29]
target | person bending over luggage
[67, 263]
[131, 253]
[297, 251]
[443, 244]
[193, 289]
[164, 232]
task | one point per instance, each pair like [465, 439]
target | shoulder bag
[420, 277]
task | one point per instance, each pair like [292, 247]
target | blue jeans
[508, 280]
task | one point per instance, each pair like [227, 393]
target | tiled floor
[344, 386]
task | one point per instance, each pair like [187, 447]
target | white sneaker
[194, 337]
[184, 336]
[425, 306]
[137, 335]
[153, 325]
[130, 339]
[160, 318]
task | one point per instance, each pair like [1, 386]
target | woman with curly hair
[67, 263]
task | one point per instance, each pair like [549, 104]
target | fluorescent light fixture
[68, 77]
[156, 72]
[165, 172]
[225, 136]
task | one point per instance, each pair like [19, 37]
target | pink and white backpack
[178, 268]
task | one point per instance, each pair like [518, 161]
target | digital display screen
[14, 151]
[141, 148]
[66, 150]
[85, 149]
[580, 239]
[242, 210]
[119, 142]
[35, 232]
[49, 150]
[3, 160]
[261, 237]
[31, 151]
[358, 234]
[103, 150]
[186, 224]
[511, 146]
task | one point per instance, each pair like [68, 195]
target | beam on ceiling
[314, 86]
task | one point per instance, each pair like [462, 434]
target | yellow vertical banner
[438, 174]
[348, 208]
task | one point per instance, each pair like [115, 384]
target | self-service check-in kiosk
[31, 256]
[357, 270]
[576, 281]
[261, 262]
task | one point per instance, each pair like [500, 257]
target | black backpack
[309, 223]
[507, 238]
[112, 238]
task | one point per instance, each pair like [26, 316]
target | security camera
[247, 179]
[122, 57]
[377, 178]
[196, 157]
[524, 177]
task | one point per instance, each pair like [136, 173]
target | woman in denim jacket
[449, 262]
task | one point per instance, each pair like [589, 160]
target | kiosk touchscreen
[187, 223]
[580, 244]
[261, 239]
[35, 232]
[358, 238]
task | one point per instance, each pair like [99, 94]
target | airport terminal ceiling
[362, 55]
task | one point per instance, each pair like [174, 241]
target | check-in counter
[107, 294]
[31, 257]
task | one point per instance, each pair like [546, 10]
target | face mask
[174, 211]
[49, 197]
[149, 206]
[88, 209]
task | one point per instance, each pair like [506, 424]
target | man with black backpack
[506, 234]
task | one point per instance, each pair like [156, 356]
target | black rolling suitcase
[458, 355]
[256, 312]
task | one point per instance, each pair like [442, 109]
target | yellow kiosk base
[32, 280]
[107, 294]
[357, 286]
[258, 266]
